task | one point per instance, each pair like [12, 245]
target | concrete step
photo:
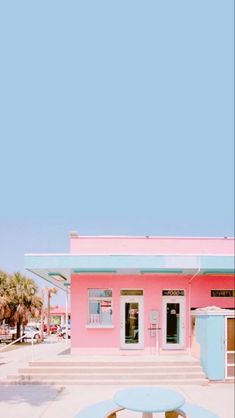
[115, 364]
[106, 372]
[140, 377]
[120, 370]
[202, 382]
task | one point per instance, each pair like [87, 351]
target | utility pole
[66, 313]
[48, 311]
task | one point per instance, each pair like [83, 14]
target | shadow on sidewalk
[30, 394]
[65, 352]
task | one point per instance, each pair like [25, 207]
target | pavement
[36, 401]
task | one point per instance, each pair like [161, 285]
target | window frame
[99, 298]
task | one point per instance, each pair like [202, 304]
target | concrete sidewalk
[11, 361]
[38, 401]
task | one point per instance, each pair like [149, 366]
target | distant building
[58, 315]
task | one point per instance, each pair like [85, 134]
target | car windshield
[29, 329]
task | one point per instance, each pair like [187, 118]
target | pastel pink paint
[198, 290]
[151, 245]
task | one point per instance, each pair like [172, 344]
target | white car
[31, 332]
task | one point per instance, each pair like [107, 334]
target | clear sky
[116, 117]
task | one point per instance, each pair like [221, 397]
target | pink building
[137, 294]
[58, 315]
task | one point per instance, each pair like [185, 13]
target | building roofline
[149, 237]
[129, 254]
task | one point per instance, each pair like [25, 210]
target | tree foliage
[5, 310]
[18, 299]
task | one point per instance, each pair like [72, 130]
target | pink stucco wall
[108, 340]
[201, 287]
[197, 294]
[151, 245]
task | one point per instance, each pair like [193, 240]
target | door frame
[226, 352]
[174, 299]
[133, 299]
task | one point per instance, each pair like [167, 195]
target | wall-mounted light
[165, 271]
[57, 276]
[217, 273]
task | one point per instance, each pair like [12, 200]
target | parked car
[5, 335]
[53, 328]
[12, 331]
[62, 332]
[31, 332]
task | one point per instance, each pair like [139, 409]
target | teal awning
[57, 268]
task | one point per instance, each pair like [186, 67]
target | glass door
[132, 322]
[173, 322]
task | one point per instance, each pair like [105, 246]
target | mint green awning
[57, 268]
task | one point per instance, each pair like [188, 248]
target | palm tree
[5, 311]
[23, 301]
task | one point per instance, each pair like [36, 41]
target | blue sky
[116, 118]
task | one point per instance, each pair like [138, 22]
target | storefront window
[99, 307]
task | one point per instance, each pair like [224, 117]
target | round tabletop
[149, 399]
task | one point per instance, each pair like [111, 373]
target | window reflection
[100, 307]
[131, 323]
[173, 320]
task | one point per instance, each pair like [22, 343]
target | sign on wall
[223, 293]
[173, 292]
[132, 292]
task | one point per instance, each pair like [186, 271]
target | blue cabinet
[210, 334]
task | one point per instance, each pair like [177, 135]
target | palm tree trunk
[18, 330]
[48, 311]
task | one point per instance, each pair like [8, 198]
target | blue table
[148, 399]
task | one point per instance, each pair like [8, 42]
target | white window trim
[99, 326]
[99, 298]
